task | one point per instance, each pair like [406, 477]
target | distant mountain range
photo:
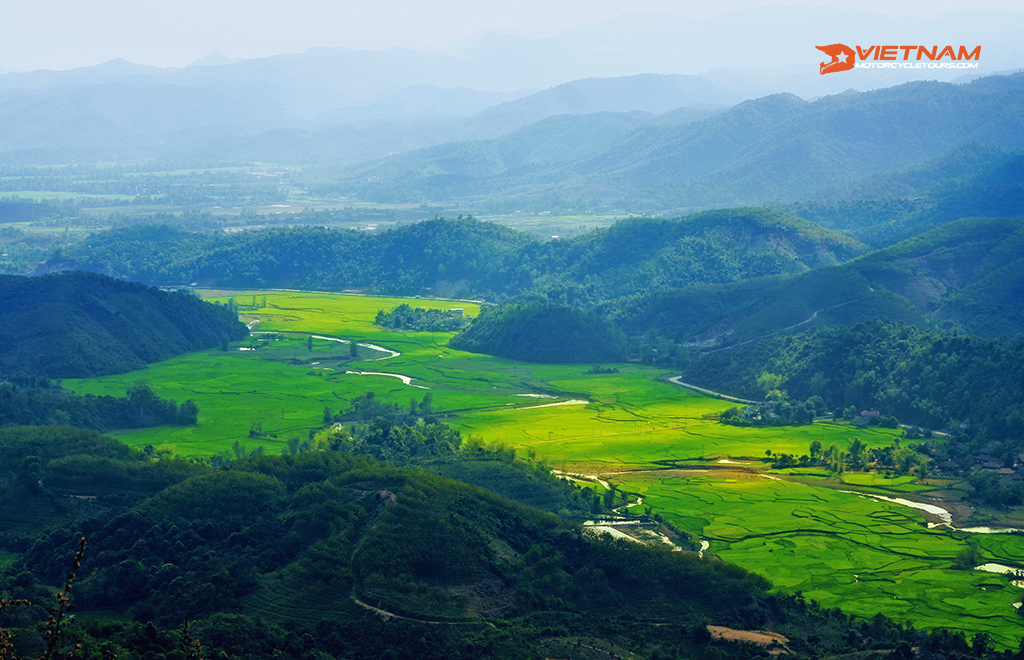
[969, 180]
[778, 147]
[339, 105]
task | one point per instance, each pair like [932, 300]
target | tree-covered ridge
[276, 535]
[969, 180]
[296, 556]
[969, 273]
[540, 333]
[466, 257]
[715, 316]
[933, 379]
[74, 325]
[52, 474]
[641, 255]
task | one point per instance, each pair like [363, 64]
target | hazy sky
[62, 34]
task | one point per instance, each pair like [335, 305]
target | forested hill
[969, 384]
[76, 325]
[297, 556]
[466, 257]
[967, 274]
[541, 333]
[969, 180]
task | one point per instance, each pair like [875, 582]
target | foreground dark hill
[776, 147]
[466, 257]
[76, 325]
[333, 555]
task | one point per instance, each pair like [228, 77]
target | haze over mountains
[777, 147]
[342, 105]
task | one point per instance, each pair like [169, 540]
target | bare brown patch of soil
[775, 642]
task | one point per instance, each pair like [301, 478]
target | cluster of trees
[890, 459]
[368, 406]
[776, 410]
[397, 443]
[406, 317]
[53, 405]
[994, 491]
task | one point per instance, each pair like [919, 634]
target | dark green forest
[286, 555]
[543, 333]
[34, 402]
[79, 324]
[922, 377]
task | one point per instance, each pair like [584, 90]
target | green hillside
[318, 539]
[967, 181]
[466, 257]
[81, 324]
[538, 333]
[968, 274]
[714, 316]
[331, 555]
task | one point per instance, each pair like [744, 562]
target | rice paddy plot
[843, 550]
[894, 483]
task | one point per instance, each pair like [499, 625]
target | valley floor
[834, 538]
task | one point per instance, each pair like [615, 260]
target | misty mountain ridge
[390, 96]
[772, 36]
[778, 147]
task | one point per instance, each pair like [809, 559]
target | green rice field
[652, 438]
